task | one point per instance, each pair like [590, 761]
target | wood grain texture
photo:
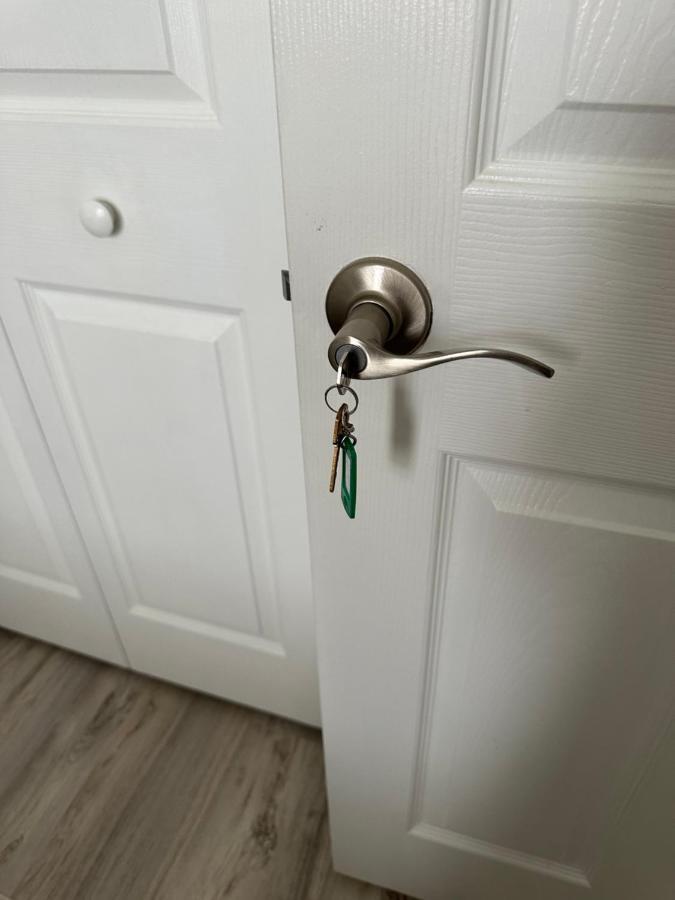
[114, 785]
[137, 60]
[590, 287]
[622, 53]
[578, 98]
[545, 592]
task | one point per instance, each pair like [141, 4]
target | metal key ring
[349, 390]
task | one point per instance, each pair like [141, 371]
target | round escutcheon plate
[396, 287]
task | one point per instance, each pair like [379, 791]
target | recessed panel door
[141, 292]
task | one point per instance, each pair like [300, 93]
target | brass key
[333, 467]
[341, 429]
[337, 440]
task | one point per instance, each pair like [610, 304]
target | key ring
[334, 387]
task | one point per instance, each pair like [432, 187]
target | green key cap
[349, 476]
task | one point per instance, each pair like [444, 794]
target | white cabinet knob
[99, 217]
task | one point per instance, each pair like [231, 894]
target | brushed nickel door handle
[381, 312]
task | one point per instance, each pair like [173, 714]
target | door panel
[498, 664]
[536, 621]
[145, 62]
[126, 35]
[578, 96]
[47, 588]
[160, 359]
[180, 406]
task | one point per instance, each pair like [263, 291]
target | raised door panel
[98, 60]
[580, 96]
[159, 405]
[621, 53]
[47, 588]
[156, 399]
[550, 664]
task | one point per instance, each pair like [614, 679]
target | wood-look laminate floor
[114, 786]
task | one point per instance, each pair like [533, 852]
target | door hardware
[381, 312]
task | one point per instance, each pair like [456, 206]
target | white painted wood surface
[47, 586]
[571, 90]
[496, 627]
[105, 35]
[160, 358]
[110, 60]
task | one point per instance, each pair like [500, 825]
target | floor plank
[115, 785]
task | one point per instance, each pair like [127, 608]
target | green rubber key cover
[349, 476]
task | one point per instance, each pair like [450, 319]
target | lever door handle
[381, 313]
[380, 364]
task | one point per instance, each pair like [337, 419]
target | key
[341, 429]
[334, 467]
[339, 432]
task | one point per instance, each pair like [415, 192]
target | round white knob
[99, 217]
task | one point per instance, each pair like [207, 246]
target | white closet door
[159, 357]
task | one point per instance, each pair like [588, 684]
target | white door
[160, 358]
[496, 642]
